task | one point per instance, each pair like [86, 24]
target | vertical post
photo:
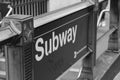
[114, 43]
[95, 15]
[89, 61]
[119, 26]
[19, 50]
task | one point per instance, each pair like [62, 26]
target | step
[86, 70]
[2, 75]
[2, 59]
[2, 79]
[2, 64]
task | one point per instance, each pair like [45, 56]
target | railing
[29, 7]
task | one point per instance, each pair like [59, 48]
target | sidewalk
[103, 65]
[113, 70]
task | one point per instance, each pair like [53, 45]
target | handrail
[8, 13]
[43, 19]
[107, 9]
[10, 10]
[107, 33]
[50, 16]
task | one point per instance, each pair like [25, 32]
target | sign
[59, 44]
[55, 42]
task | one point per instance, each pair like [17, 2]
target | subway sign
[55, 42]
[59, 44]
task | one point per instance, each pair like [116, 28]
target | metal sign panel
[59, 44]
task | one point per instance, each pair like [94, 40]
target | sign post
[18, 51]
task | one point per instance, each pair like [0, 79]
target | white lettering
[69, 38]
[55, 42]
[74, 33]
[48, 50]
[63, 37]
[39, 49]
